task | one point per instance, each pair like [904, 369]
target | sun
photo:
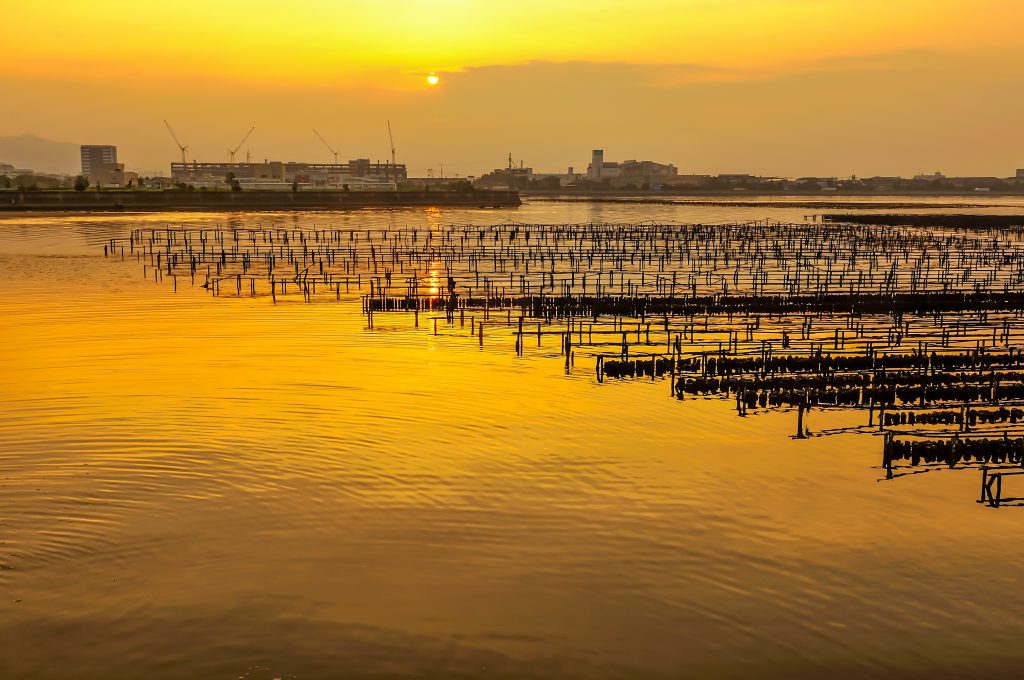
[433, 79]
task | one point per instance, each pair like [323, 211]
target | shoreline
[872, 201]
[483, 200]
[61, 202]
[719, 193]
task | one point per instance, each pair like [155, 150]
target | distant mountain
[41, 155]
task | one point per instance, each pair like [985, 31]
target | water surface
[198, 487]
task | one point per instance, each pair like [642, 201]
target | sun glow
[433, 79]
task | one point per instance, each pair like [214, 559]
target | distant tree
[142, 182]
[492, 179]
[229, 179]
[295, 186]
[180, 185]
[235, 185]
[41, 181]
[344, 187]
[546, 183]
[462, 185]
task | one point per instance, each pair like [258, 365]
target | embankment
[149, 201]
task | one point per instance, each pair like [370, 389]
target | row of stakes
[750, 289]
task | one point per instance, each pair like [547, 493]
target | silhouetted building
[596, 164]
[626, 172]
[11, 171]
[691, 180]
[96, 155]
[359, 172]
[736, 178]
[100, 166]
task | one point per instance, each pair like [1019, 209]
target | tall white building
[596, 164]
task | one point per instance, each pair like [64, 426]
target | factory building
[628, 172]
[359, 173]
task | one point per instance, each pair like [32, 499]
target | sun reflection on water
[434, 280]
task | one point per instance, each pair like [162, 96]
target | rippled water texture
[219, 488]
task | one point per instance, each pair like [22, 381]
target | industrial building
[357, 174]
[628, 172]
[522, 177]
[100, 166]
[11, 171]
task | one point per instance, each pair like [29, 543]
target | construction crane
[183, 148]
[329, 147]
[232, 152]
[391, 141]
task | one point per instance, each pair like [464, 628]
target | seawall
[152, 201]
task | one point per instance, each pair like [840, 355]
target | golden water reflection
[200, 487]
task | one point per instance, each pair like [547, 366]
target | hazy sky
[786, 87]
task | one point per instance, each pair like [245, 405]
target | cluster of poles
[772, 315]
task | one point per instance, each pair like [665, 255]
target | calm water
[209, 488]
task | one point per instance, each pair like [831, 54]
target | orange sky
[770, 86]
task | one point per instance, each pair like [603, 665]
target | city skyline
[71, 165]
[775, 87]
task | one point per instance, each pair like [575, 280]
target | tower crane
[181, 147]
[391, 140]
[329, 147]
[232, 152]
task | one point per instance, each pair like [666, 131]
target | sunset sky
[781, 87]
